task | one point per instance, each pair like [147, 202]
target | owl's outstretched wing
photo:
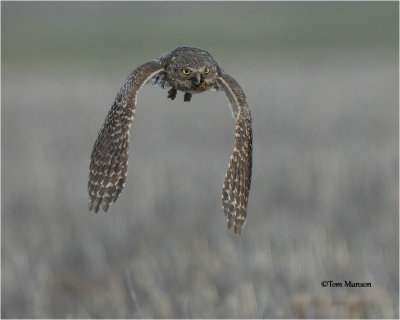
[109, 159]
[236, 187]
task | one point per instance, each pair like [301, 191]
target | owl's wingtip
[237, 224]
[96, 203]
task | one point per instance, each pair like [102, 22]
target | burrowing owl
[190, 70]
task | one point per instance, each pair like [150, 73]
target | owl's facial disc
[192, 78]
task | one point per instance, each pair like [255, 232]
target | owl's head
[190, 69]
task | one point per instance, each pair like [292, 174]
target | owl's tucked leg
[187, 96]
[172, 93]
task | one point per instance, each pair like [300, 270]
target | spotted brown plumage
[186, 69]
[109, 159]
[237, 182]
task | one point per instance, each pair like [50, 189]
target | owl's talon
[187, 96]
[172, 93]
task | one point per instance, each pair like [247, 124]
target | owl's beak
[197, 78]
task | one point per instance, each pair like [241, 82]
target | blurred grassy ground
[322, 84]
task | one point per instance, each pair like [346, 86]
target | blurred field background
[322, 83]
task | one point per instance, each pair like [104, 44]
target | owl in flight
[190, 70]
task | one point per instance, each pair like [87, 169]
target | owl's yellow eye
[206, 70]
[186, 71]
